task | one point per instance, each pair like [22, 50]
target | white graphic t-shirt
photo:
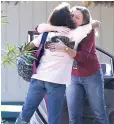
[56, 67]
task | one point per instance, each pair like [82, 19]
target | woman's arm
[62, 47]
[70, 52]
[81, 55]
[84, 52]
[47, 28]
[80, 33]
[35, 43]
[56, 46]
[77, 35]
[41, 28]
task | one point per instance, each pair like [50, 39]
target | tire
[111, 118]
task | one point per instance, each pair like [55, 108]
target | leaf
[26, 47]
[3, 22]
[8, 60]
[4, 16]
[32, 57]
[4, 62]
[32, 51]
[13, 52]
[12, 63]
[8, 46]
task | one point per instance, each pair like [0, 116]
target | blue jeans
[94, 88]
[36, 93]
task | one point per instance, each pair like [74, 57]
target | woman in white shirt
[54, 70]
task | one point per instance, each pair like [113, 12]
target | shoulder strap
[43, 40]
[38, 52]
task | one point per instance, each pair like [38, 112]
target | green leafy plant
[95, 3]
[13, 52]
[13, 2]
[3, 21]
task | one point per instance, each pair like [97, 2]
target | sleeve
[36, 29]
[86, 47]
[81, 32]
[37, 40]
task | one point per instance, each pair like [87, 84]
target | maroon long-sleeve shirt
[87, 60]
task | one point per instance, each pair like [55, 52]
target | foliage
[3, 21]
[103, 3]
[13, 52]
[12, 2]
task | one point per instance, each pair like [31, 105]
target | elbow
[40, 28]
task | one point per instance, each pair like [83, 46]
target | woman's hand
[57, 46]
[62, 47]
[96, 24]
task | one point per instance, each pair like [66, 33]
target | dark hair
[61, 16]
[85, 12]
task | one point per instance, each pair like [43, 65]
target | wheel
[111, 118]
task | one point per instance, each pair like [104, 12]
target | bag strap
[44, 36]
[43, 40]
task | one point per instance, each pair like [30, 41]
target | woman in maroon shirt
[87, 76]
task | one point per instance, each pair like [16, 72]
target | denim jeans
[94, 88]
[36, 92]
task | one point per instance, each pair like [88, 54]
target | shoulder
[85, 27]
[90, 37]
[91, 34]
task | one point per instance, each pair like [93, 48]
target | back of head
[61, 16]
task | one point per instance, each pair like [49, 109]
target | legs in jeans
[55, 95]
[75, 96]
[35, 94]
[94, 87]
